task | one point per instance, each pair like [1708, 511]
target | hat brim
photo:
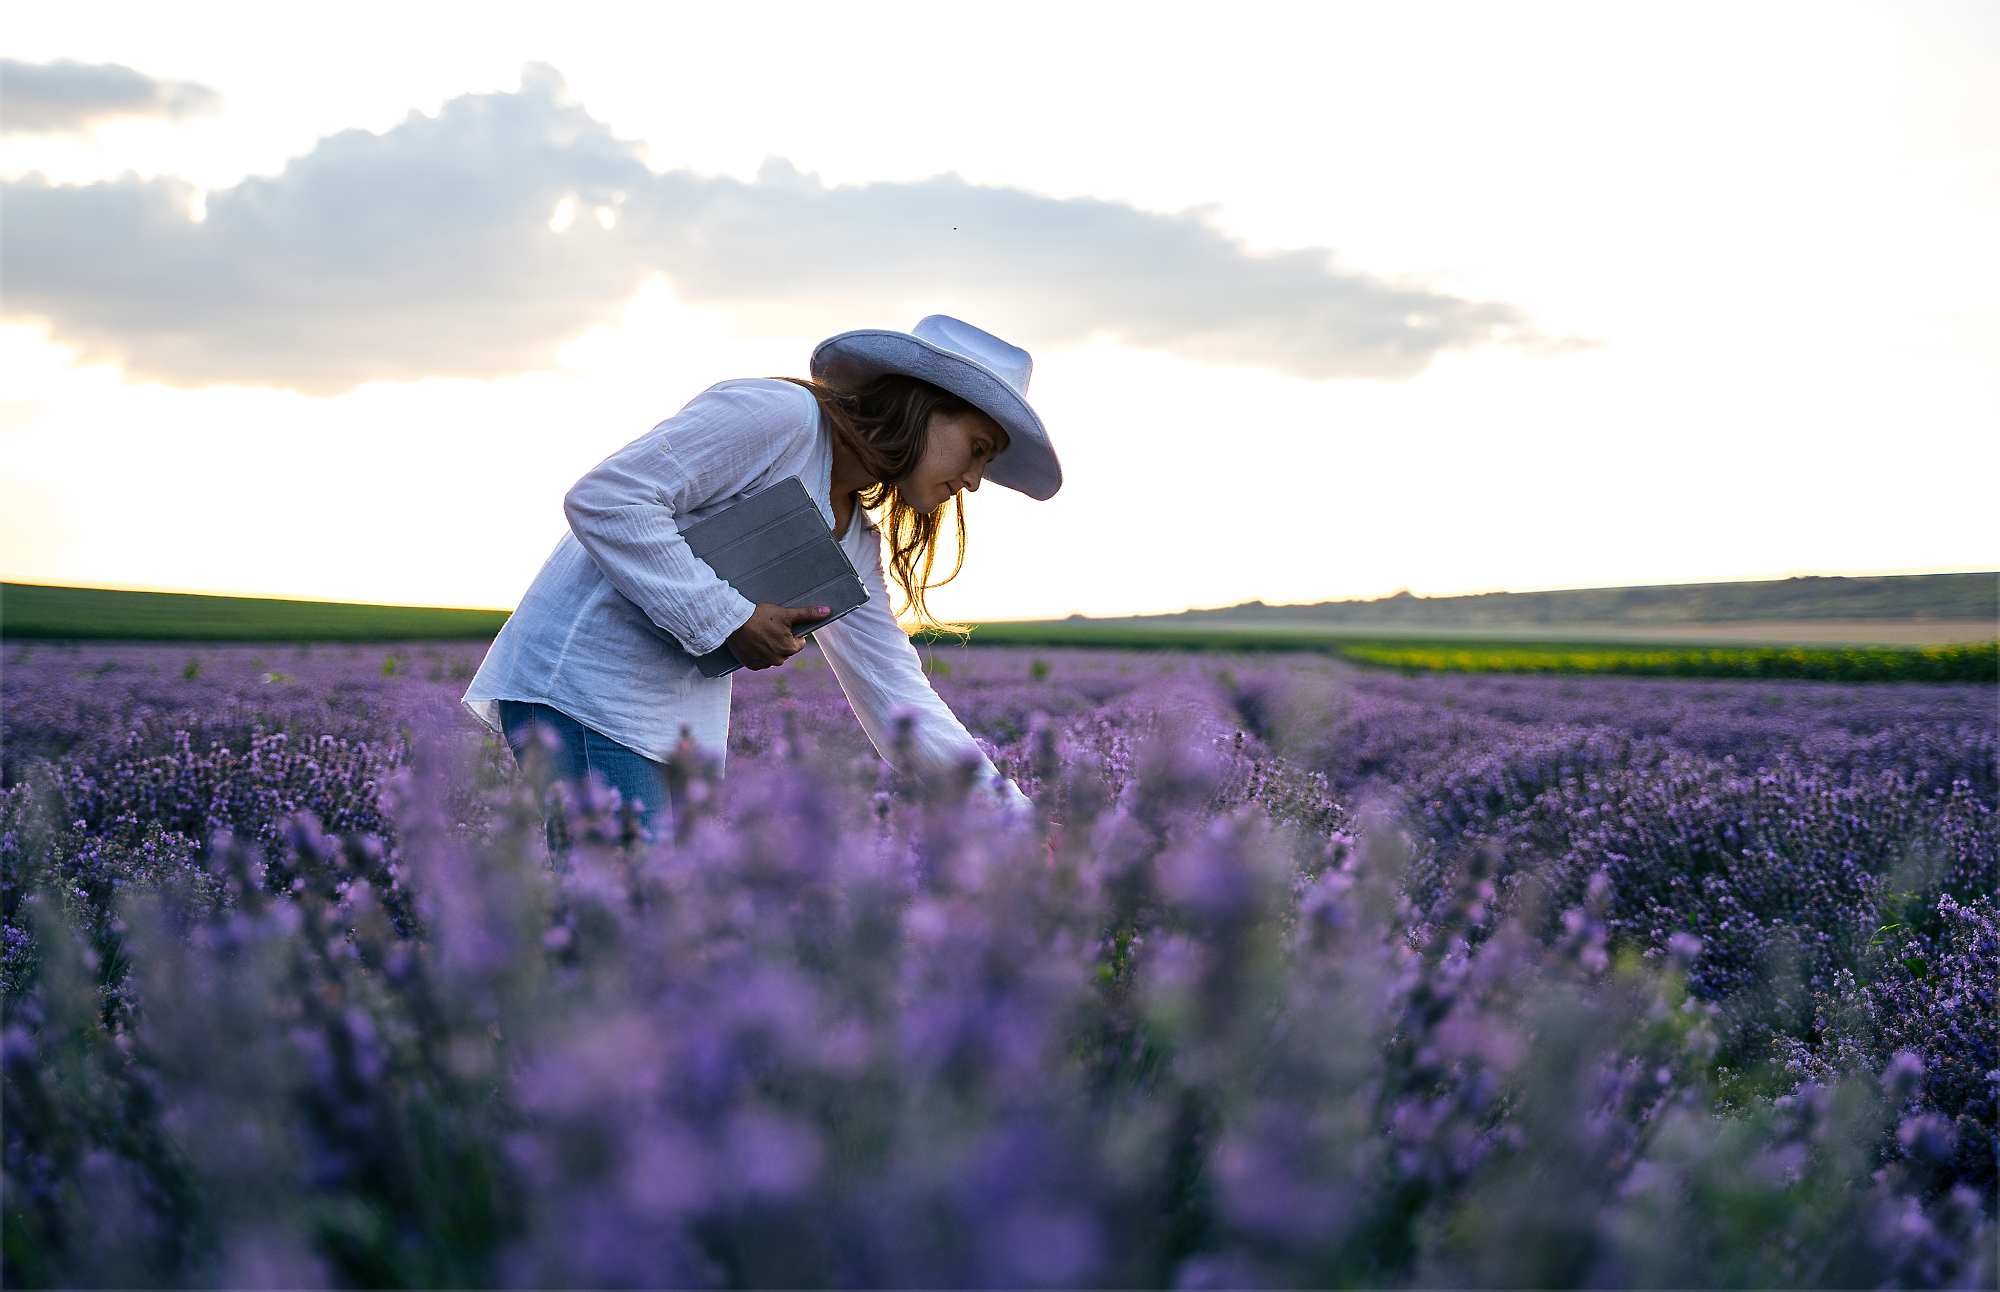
[1027, 465]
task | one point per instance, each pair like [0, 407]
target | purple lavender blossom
[1614, 981]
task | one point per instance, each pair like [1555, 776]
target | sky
[1325, 300]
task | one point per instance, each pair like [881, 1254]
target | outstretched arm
[884, 680]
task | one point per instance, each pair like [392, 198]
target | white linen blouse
[608, 631]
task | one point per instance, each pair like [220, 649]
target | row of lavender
[1296, 975]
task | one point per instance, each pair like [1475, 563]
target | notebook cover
[774, 547]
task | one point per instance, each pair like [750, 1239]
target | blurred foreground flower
[1189, 1022]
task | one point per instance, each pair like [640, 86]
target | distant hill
[1892, 596]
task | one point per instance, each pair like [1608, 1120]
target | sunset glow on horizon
[1325, 302]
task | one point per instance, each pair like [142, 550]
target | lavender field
[1297, 974]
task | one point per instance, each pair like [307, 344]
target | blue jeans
[577, 755]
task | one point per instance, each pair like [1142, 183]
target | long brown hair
[886, 424]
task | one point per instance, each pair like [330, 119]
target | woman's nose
[974, 476]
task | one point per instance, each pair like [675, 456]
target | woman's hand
[765, 640]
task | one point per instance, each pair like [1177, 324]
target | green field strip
[1971, 662]
[1799, 633]
[32, 611]
[1057, 635]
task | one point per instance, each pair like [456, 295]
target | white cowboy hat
[976, 366]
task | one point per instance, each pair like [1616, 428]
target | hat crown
[958, 358]
[1010, 363]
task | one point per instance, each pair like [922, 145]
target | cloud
[477, 242]
[67, 97]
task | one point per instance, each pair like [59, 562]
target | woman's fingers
[766, 640]
[792, 617]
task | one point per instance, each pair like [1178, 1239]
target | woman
[597, 665]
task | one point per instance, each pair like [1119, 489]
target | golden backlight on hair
[886, 425]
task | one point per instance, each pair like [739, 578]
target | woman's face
[955, 457]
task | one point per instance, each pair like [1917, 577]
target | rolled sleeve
[629, 510]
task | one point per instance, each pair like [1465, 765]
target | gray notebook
[774, 546]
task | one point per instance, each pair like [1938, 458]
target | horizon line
[184, 590]
[1906, 572]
